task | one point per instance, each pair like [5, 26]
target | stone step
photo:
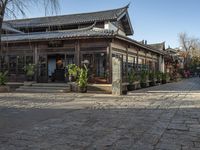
[99, 88]
[50, 84]
[45, 88]
[29, 90]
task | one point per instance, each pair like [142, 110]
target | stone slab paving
[165, 117]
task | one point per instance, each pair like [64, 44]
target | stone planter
[158, 82]
[82, 89]
[73, 87]
[4, 89]
[152, 83]
[29, 78]
[134, 86]
[131, 87]
[143, 85]
[164, 81]
[29, 83]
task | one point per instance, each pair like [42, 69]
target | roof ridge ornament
[128, 5]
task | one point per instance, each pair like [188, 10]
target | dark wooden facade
[97, 44]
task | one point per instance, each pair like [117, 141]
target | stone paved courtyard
[165, 117]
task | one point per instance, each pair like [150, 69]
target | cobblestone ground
[165, 117]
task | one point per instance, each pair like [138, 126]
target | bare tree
[190, 45]
[13, 7]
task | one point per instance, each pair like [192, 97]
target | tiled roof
[7, 27]
[171, 50]
[140, 44]
[67, 34]
[69, 19]
[159, 46]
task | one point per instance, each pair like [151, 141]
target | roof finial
[127, 6]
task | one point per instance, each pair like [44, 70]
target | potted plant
[168, 78]
[30, 71]
[3, 80]
[152, 78]
[143, 79]
[159, 77]
[82, 79]
[131, 79]
[72, 72]
[164, 78]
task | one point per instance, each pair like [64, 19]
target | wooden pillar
[126, 64]
[109, 63]
[77, 53]
[137, 59]
[65, 60]
[1, 57]
[35, 54]
[35, 61]
[145, 60]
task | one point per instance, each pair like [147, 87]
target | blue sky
[152, 20]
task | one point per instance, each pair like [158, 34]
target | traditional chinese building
[56, 41]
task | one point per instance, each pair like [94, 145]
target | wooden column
[77, 53]
[109, 63]
[1, 56]
[35, 61]
[35, 54]
[126, 64]
[153, 62]
[137, 58]
[65, 59]
[145, 59]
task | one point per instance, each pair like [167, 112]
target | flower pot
[143, 85]
[152, 83]
[4, 88]
[164, 81]
[29, 78]
[82, 89]
[131, 87]
[71, 79]
[158, 81]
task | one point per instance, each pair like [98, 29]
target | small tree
[83, 77]
[190, 46]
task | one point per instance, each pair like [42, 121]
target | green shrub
[30, 70]
[152, 76]
[73, 70]
[82, 79]
[166, 76]
[3, 78]
[132, 77]
[159, 76]
[143, 76]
